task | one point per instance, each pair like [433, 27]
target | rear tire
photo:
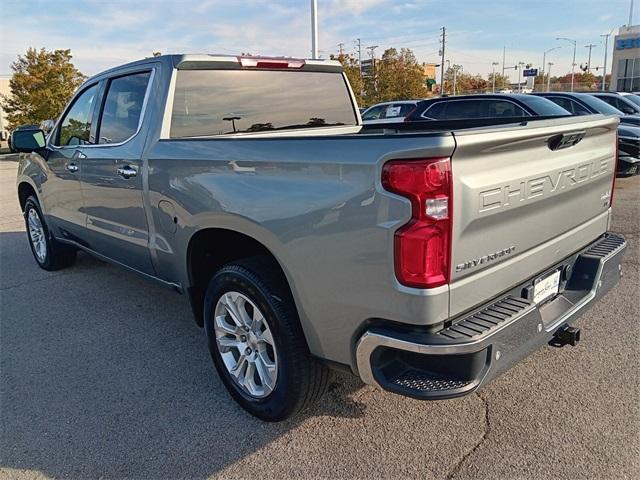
[47, 251]
[288, 378]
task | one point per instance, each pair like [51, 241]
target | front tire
[256, 341]
[48, 253]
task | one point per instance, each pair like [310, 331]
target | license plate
[546, 287]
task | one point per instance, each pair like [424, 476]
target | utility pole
[443, 41]
[341, 47]
[359, 43]
[314, 29]
[493, 75]
[590, 46]
[606, 50]
[372, 53]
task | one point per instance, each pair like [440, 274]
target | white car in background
[388, 112]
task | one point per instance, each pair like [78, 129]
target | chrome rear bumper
[486, 342]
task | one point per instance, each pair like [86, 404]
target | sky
[103, 34]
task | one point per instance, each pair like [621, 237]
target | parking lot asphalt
[103, 375]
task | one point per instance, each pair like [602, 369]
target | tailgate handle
[565, 140]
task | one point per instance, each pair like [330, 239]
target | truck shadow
[106, 375]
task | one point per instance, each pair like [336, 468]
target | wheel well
[212, 248]
[24, 191]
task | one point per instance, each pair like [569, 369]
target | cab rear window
[224, 102]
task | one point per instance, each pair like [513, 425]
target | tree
[502, 81]
[581, 80]
[464, 82]
[42, 84]
[398, 75]
[352, 70]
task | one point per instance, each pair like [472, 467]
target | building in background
[5, 90]
[430, 75]
[625, 70]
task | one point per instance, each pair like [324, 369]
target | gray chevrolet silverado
[425, 261]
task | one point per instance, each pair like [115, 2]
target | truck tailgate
[525, 197]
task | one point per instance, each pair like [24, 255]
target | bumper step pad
[422, 382]
[487, 319]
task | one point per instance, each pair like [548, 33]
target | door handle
[127, 171]
[72, 167]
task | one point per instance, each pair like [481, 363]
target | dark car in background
[508, 106]
[625, 103]
[628, 130]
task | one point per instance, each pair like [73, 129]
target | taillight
[422, 247]
[264, 62]
[615, 170]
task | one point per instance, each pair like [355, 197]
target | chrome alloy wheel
[37, 235]
[246, 344]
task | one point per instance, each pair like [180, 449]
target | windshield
[598, 105]
[223, 102]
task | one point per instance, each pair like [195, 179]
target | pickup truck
[426, 261]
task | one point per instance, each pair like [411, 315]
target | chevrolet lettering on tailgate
[529, 189]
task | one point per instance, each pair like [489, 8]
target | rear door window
[571, 106]
[436, 110]
[374, 113]
[614, 102]
[459, 109]
[399, 110]
[502, 108]
[223, 102]
[123, 107]
[393, 111]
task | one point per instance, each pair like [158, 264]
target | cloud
[354, 7]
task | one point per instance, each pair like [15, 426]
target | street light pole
[455, 75]
[493, 64]
[606, 49]
[544, 59]
[314, 29]
[573, 64]
[549, 77]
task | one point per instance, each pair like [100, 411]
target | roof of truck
[215, 61]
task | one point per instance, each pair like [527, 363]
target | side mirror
[27, 141]
[628, 110]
